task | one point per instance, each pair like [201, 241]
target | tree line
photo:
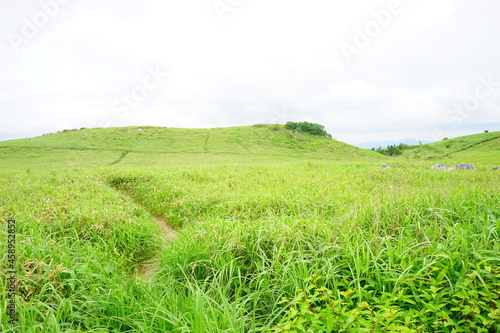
[392, 150]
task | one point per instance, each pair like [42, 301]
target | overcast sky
[367, 70]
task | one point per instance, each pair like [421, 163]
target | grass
[282, 245]
[250, 235]
[478, 148]
[77, 240]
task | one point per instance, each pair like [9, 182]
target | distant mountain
[385, 144]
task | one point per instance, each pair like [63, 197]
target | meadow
[286, 245]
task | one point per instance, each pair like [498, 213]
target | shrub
[393, 150]
[306, 127]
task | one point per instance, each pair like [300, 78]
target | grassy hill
[140, 146]
[476, 148]
[330, 242]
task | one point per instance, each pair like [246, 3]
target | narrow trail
[148, 268]
[168, 233]
[122, 156]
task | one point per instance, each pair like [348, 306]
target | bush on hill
[306, 127]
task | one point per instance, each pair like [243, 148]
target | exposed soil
[168, 233]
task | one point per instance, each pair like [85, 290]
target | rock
[463, 166]
[495, 168]
[139, 129]
[386, 166]
[440, 166]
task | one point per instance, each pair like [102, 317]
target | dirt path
[168, 233]
[148, 268]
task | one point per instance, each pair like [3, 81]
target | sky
[366, 70]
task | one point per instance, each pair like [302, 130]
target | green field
[274, 232]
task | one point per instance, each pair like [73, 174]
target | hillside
[140, 146]
[476, 148]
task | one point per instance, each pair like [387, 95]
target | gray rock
[440, 166]
[463, 166]
[385, 166]
[495, 168]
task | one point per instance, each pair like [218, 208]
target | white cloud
[425, 14]
[266, 62]
[354, 94]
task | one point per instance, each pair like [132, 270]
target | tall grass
[418, 244]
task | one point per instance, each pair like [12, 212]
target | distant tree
[306, 127]
[393, 150]
[292, 126]
[486, 131]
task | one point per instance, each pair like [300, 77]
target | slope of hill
[476, 148]
[165, 146]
